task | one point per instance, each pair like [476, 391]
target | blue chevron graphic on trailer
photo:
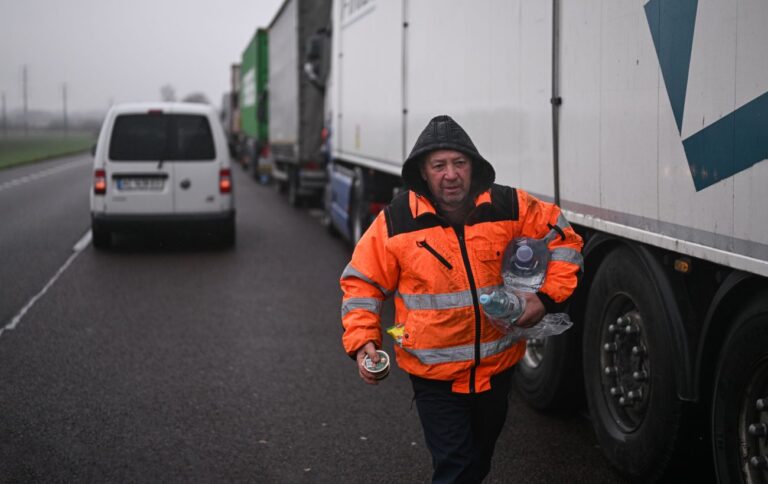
[733, 143]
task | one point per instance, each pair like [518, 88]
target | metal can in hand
[379, 370]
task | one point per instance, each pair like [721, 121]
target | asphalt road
[177, 360]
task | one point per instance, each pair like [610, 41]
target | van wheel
[546, 378]
[740, 399]
[629, 373]
[228, 234]
[102, 239]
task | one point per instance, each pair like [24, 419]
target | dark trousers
[461, 429]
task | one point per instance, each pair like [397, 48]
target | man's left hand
[534, 310]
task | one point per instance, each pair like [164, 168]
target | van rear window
[167, 137]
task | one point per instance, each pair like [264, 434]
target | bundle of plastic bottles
[523, 269]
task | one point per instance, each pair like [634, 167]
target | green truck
[254, 113]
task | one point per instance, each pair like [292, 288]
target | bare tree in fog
[196, 97]
[168, 93]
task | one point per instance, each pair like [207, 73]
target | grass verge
[18, 149]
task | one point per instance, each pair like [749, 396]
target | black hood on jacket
[443, 133]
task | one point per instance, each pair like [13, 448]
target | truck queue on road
[644, 120]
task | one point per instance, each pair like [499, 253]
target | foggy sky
[122, 50]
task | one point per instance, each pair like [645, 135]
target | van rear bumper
[196, 222]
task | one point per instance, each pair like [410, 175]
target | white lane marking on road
[44, 173]
[76, 250]
[83, 242]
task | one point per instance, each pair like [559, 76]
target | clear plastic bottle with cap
[524, 268]
[502, 307]
[525, 264]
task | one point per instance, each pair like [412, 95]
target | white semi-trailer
[296, 103]
[647, 121]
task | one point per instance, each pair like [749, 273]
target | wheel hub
[626, 370]
[753, 426]
[534, 352]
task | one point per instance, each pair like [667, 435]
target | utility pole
[64, 104]
[24, 91]
[5, 118]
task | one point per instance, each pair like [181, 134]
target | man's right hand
[368, 349]
[534, 310]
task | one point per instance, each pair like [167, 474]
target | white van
[161, 166]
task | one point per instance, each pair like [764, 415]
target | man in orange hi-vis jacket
[434, 248]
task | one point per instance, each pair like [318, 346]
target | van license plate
[134, 184]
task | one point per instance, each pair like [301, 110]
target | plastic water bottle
[523, 269]
[525, 264]
[502, 306]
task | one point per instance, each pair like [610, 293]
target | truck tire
[628, 364]
[327, 207]
[282, 185]
[102, 239]
[254, 169]
[359, 219]
[740, 398]
[546, 377]
[294, 199]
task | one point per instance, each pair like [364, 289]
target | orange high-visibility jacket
[436, 274]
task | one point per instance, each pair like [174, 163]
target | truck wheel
[740, 399]
[254, 168]
[359, 219]
[294, 199]
[282, 185]
[102, 239]
[546, 377]
[327, 207]
[629, 373]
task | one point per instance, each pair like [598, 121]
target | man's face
[448, 175]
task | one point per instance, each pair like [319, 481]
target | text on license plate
[140, 184]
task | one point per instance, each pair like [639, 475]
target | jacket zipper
[425, 245]
[476, 304]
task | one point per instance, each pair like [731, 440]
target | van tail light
[225, 181]
[312, 165]
[99, 182]
[265, 151]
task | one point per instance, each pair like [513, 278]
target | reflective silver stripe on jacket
[464, 352]
[562, 222]
[451, 300]
[367, 303]
[567, 255]
[350, 271]
[551, 235]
